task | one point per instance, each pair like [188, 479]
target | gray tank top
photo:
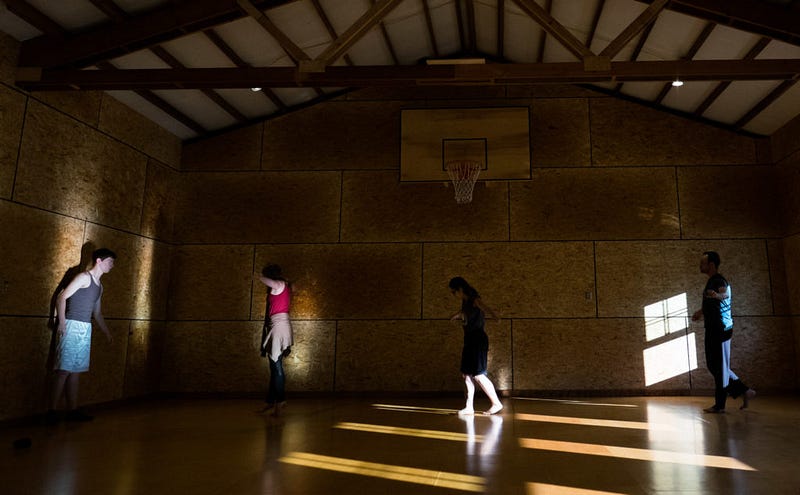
[81, 304]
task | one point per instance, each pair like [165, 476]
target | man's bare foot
[746, 398]
[713, 410]
[266, 408]
[278, 409]
[466, 411]
[494, 409]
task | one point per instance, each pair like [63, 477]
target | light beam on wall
[668, 318]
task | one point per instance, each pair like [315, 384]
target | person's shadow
[52, 320]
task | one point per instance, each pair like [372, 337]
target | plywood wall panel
[211, 283]
[224, 357]
[105, 379]
[633, 275]
[81, 105]
[255, 207]
[31, 237]
[560, 132]
[346, 280]
[333, 136]
[137, 286]
[376, 207]
[160, 201]
[24, 353]
[625, 133]
[235, 150]
[13, 113]
[585, 354]
[594, 204]
[136, 130]
[67, 168]
[412, 356]
[519, 280]
[729, 202]
[144, 357]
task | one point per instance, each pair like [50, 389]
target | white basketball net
[463, 174]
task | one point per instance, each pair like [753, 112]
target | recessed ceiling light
[677, 83]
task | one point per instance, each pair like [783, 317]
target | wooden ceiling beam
[763, 18]
[158, 102]
[429, 23]
[698, 43]
[595, 21]
[110, 9]
[764, 103]
[554, 28]
[638, 49]
[501, 28]
[722, 86]
[36, 18]
[363, 76]
[239, 62]
[295, 52]
[472, 44]
[329, 27]
[643, 20]
[387, 40]
[167, 21]
[354, 33]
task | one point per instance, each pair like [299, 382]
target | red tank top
[279, 303]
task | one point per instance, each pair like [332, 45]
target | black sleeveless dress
[474, 355]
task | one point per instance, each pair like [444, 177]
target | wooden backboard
[498, 138]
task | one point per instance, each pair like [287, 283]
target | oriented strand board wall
[623, 201]
[81, 170]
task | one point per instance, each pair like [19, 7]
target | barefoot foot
[466, 411]
[746, 398]
[494, 409]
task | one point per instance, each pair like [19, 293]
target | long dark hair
[273, 271]
[457, 283]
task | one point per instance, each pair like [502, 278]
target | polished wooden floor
[652, 445]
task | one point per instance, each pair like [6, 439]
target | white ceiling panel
[647, 91]
[778, 114]
[198, 107]
[300, 22]
[409, 36]
[14, 26]
[486, 27]
[616, 16]
[779, 50]
[197, 50]
[725, 43]
[253, 44]
[295, 96]
[443, 18]
[738, 99]
[153, 113]
[252, 104]
[522, 36]
[371, 49]
[143, 59]
[72, 15]
[689, 96]
[672, 36]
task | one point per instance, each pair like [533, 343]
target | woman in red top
[276, 339]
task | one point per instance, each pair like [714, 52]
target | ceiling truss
[53, 60]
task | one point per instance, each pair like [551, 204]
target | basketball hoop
[463, 174]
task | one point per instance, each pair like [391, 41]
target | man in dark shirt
[716, 315]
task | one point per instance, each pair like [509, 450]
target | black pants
[716, 364]
[277, 381]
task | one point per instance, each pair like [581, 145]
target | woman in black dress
[476, 344]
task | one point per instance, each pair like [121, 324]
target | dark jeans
[277, 381]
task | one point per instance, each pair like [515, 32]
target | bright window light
[607, 423]
[408, 432]
[547, 489]
[670, 359]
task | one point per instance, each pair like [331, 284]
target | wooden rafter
[35, 18]
[110, 9]
[158, 102]
[167, 21]
[548, 4]
[354, 33]
[554, 28]
[766, 19]
[329, 27]
[642, 20]
[698, 43]
[460, 23]
[387, 40]
[638, 49]
[765, 102]
[221, 102]
[295, 52]
[501, 28]
[472, 43]
[412, 75]
[239, 62]
[721, 87]
[595, 21]
[429, 23]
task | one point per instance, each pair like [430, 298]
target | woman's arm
[486, 309]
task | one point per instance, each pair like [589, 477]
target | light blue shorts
[73, 349]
